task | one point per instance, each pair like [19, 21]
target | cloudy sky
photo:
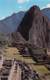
[8, 7]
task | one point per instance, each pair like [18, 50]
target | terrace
[11, 54]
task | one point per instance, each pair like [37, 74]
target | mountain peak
[26, 23]
[34, 9]
[34, 27]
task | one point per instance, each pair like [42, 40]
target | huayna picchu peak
[35, 27]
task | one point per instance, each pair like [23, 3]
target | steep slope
[46, 12]
[35, 30]
[35, 27]
[26, 24]
[11, 23]
[17, 38]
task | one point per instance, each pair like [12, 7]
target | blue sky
[8, 7]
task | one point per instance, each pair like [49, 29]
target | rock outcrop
[35, 27]
[35, 30]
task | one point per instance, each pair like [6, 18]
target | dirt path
[18, 76]
[11, 72]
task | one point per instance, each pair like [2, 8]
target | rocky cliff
[35, 27]
[35, 30]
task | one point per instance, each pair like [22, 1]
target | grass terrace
[11, 53]
[40, 69]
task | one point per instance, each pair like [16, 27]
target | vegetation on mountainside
[4, 40]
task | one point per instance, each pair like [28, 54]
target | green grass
[40, 68]
[11, 53]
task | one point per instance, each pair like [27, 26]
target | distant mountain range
[10, 24]
[46, 12]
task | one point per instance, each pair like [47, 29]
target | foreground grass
[40, 69]
[11, 53]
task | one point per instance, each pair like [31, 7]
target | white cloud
[22, 1]
[47, 6]
[43, 7]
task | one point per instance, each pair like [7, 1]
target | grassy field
[11, 53]
[40, 69]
